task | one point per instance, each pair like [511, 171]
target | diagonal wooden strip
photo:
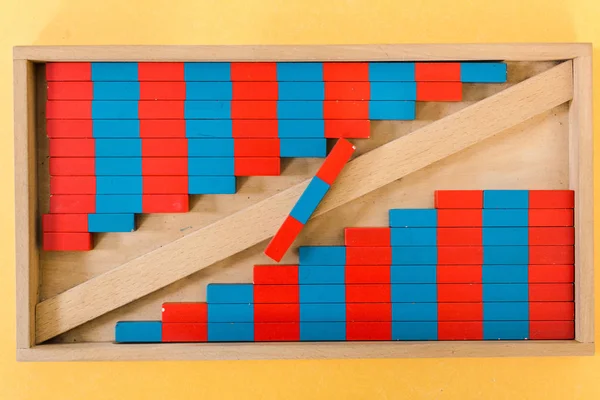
[256, 223]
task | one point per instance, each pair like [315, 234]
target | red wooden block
[286, 312]
[184, 332]
[254, 71]
[162, 91]
[257, 166]
[161, 71]
[165, 185]
[346, 71]
[67, 241]
[161, 109]
[184, 312]
[551, 199]
[551, 292]
[72, 185]
[73, 204]
[69, 109]
[275, 275]
[284, 238]
[345, 110]
[460, 311]
[459, 218]
[469, 255]
[335, 161]
[70, 91]
[72, 166]
[255, 91]
[459, 236]
[368, 312]
[367, 274]
[459, 273]
[163, 203]
[170, 166]
[368, 294]
[551, 236]
[347, 90]
[551, 217]
[439, 91]
[273, 332]
[71, 147]
[460, 293]
[162, 128]
[368, 331]
[256, 147]
[255, 128]
[458, 198]
[368, 255]
[65, 223]
[437, 71]
[68, 71]
[549, 255]
[69, 128]
[175, 147]
[551, 330]
[472, 330]
[372, 237]
[551, 311]
[551, 274]
[348, 128]
[254, 109]
[273, 294]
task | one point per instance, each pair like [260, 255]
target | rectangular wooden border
[27, 257]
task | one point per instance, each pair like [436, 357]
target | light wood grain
[254, 224]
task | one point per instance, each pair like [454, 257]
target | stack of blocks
[481, 265]
[129, 138]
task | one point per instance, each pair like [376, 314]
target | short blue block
[118, 166]
[413, 218]
[309, 147]
[410, 293]
[507, 236]
[506, 255]
[505, 273]
[115, 71]
[230, 312]
[391, 71]
[419, 255]
[207, 109]
[211, 166]
[230, 293]
[208, 91]
[515, 218]
[207, 71]
[116, 90]
[505, 330]
[118, 147]
[118, 203]
[414, 331]
[210, 147]
[413, 274]
[300, 109]
[309, 200]
[111, 222]
[414, 312]
[301, 128]
[119, 185]
[208, 128]
[505, 292]
[212, 185]
[116, 128]
[506, 199]
[323, 312]
[321, 274]
[126, 109]
[483, 72]
[301, 90]
[506, 311]
[393, 91]
[138, 332]
[392, 110]
[231, 332]
[322, 293]
[414, 236]
[299, 72]
[322, 331]
[322, 255]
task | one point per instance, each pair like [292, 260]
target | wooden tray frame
[570, 81]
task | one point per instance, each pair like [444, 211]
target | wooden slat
[254, 224]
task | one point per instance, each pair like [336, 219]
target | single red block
[456, 330]
[551, 274]
[368, 312]
[184, 312]
[257, 166]
[461, 255]
[549, 255]
[551, 330]
[439, 91]
[551, 199]
[165, 166]
[72, 166]
[437, 71]
[67, 241]
[175, 147]
[369, 330]
[72, 185]
[73, 204]
[346, 71]
[70, 91]
[284, 238]
[254, 109]
[551, 236]
[459, 237]
[165, 185]
[162, 91]
[347, 91]
[551, 292]
[254, 71]
[459, 218]
[335, 161]
[551, 311]
[255, 128]
[273, 294]
[458, 198]
[161, 109]
[69, 128]
[184, 332]
[68, 71]
[367, 274]
[256, 147]
[163, 203]
[275, 275]
[255, 91]
[71, 147]
[368, 293]
[348, 128]
[161, 71]
[459, 273]
[372, 237]
[65, 223]
[345, 110]
[286, 312]
[551, 217]
[460, 311]
[162, 128]
[69, 109]
[460, 293]
[273, 332]
[368, 255]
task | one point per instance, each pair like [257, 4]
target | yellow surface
[45, 22]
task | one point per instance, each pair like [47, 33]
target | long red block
[165, 185]
[368, 255]
[184, 332]
[551, 330]
[184, 312]
[461, 255]
[162, 91]
[456, 330]
[65, 223]
[69, 71]
[72, 185]
[284, 238]
[273, 332]
[72, 166]
[551, 274]
[439, 91]
[254, 109]
[460, 312]
[286, 312]
[69, 128]
[256, 147]
[255, 91]
[257, 166]
[458, 198]
[162, 128]
[70, 91]
[460, 293]
[368, 330]
[161, 109]
[163, 203]
[348, 128]
[346, 71]
[551, 311]
[551, 217]
[345, 110]
[273, 294]
[551, 236]
[275, 275]
[551, 292]
[175, 147]
[368, 293]
[73, 204]
[161, 71]
[459, 237]
[372, 237]
[347, 91]
[459, 218]
[367, 274]
[368, 312]
[548, 255]
[335, 161]
[254, 71]
[67, 241]
[71, 148]
[170, 166]
[437, 71]
[551, 199]
[459, 274]
[69, 109]
[255, 128]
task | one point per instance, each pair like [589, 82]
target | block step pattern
[482, 265]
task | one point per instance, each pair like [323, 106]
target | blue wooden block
[300, 109]
[118, 166]
[506, 199]
[309, 200]
[115, 71]
[323, 312]
[230, 332]
[210, 147]
[415, 255]
[514, 218]
[322, 331]
[207, 109]
[301, 91]
[299, 71]
[116, 90]
[505, 273]
[207, 71]
[103, 109]
[483, 72]
[212, 185]
[119, 185]
[138, 332]
[303, 147]
[111, 222]
[413, 274]
[321, 274]
[322, 255]
[414, 236]
[505, 330]
[506, 311]
[230, 293]
[413, 218]
[391, 71]
[414, 331]
[506, 255]
[411, 293]
[208, 90]
[392, 110]
[505, 236]
[301, 128]
[505, 292]
[393, 91]
[211, 166]
[414, 311]
[118, 203]
[116, 128]
[118, 147]
[207, 128]
[230, 312]
[322, 293]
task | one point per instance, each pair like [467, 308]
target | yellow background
[45, 22]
